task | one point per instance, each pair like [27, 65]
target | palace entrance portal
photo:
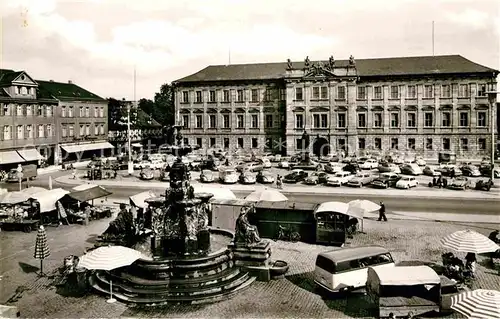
[321, 147]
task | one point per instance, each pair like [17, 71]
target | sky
[97, 44]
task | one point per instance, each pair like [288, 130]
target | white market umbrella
[266, 195]
[109, 258]
[478, 304]
[362, 206]
[469, 241]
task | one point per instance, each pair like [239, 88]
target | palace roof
[397, 66]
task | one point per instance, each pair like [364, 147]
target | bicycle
[287, 234]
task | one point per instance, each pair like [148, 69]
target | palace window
[185, 97]
[481, 90]
[412, 120]
[394, 143]
[87, 129]
[411, 143]
[199, 121]
[255, 96]
[185, 121]
[342, 144]
[377, 119]
[96, 111]
[198, 97]
[29, 131]
[428, 119]
[41, 130]
[212, 141]
[464, 119]
[240, 96]
[211, 96]
[255, 121]
[39, 110]
[412, 92]
[19, 110]
[64, 130]
[463, 90]
[377, 93]
[20, 132]
[70, 111]
[428, 91]
[6, 109]
[199, 141]
[428, 144]
[299, 94]
[446, 91]
[270, 94]
[341, 120]
[320, 92]
[378, 143]
[446, 144]
[361, 92]
[481, 119]
[395, 92]
[255, 142]
[299, 121]
[464, 144]
[226, 96]
[341, 93]
[320, 120]
[82, 111]
[24, 90]
[282, 94]
[394, 120]
[361, 120]
[225, 121]
[324, 120]
[101, 111]
[361, 143]
[48, 110]
[240, 121]
[269, 120]
[240, 142]
[446, 119]
[7, 132]
[96, 129]
[29, 110]
[212, 123]
[481, 144]
[102, 129]
[49, 130]
[226, 142]
[71, 130]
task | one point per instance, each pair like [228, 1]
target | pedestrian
[470, 263]
[74, 173]
[445, 183]
[381, 212]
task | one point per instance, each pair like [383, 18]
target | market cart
[16, 210]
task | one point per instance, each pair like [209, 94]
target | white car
[369, 164]
[284, 164]
[420, 161]
[339, 179]
[142, 164]
[156, 164]
[407, 182]
[265, 162]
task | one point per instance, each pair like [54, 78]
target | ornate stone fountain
[184, 265]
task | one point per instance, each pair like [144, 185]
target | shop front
[71, 153]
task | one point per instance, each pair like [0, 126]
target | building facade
[415, 105]
[43, 120]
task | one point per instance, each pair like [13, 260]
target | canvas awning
[83, 187]
[10, 157]
[86, 147]
[89, 194]
[12, 198]
[338, 207]
[49, 198]
[30, 154]
[404, 275]
[138, 199]
[218, 192]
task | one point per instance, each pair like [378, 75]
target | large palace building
[418, 105]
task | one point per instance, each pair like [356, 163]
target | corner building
[413, 105]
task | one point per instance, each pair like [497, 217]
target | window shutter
[1, 110]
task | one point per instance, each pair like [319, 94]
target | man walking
[381, 212]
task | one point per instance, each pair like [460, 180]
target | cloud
[470, 18]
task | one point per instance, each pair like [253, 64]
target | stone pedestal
[253, 258]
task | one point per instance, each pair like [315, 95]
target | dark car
[352, 167]
[316, 178]
[450, 170]
[295, 177]
[386, 180]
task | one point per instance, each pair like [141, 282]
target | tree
[147, 106]
[164, 105]
[117, 114]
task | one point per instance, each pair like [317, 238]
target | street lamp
[492, 99]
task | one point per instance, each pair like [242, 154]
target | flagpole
[129, 146]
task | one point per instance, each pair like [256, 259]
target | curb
[333, 191]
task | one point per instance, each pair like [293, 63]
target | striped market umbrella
[469, 241]
[42, 250]
[478, 304]
[109, 258]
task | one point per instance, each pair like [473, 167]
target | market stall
[45, 203]
[79, 203]
[138, 200]
[16, 211]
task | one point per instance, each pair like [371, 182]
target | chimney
[70, 82]
[51, 80]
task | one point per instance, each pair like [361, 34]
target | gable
[25, 79]
[317, 72]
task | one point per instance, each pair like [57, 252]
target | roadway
[406, 204]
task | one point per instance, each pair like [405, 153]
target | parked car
[486, 171]
[430, 171]
[329, 158]
[420, 161]
[398, 160]
[295, 176]
[369, 164]
[284, 164]
[252, 167]
[228, 176]
[265, 177]
[407, 182]
[460, 182]
[352, 168]
[451, 170]
[339, 179]
[386, 180]
[411, 169]
[265, 162]
[156, 164]
[247, 177]
[207, 176]
[333, 168]
[142, 164]
[146, 174]
[386, 167]
[470, 170]
[316, 178]
[361, 179]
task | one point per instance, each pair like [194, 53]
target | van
[29, 173]
[346, 269]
